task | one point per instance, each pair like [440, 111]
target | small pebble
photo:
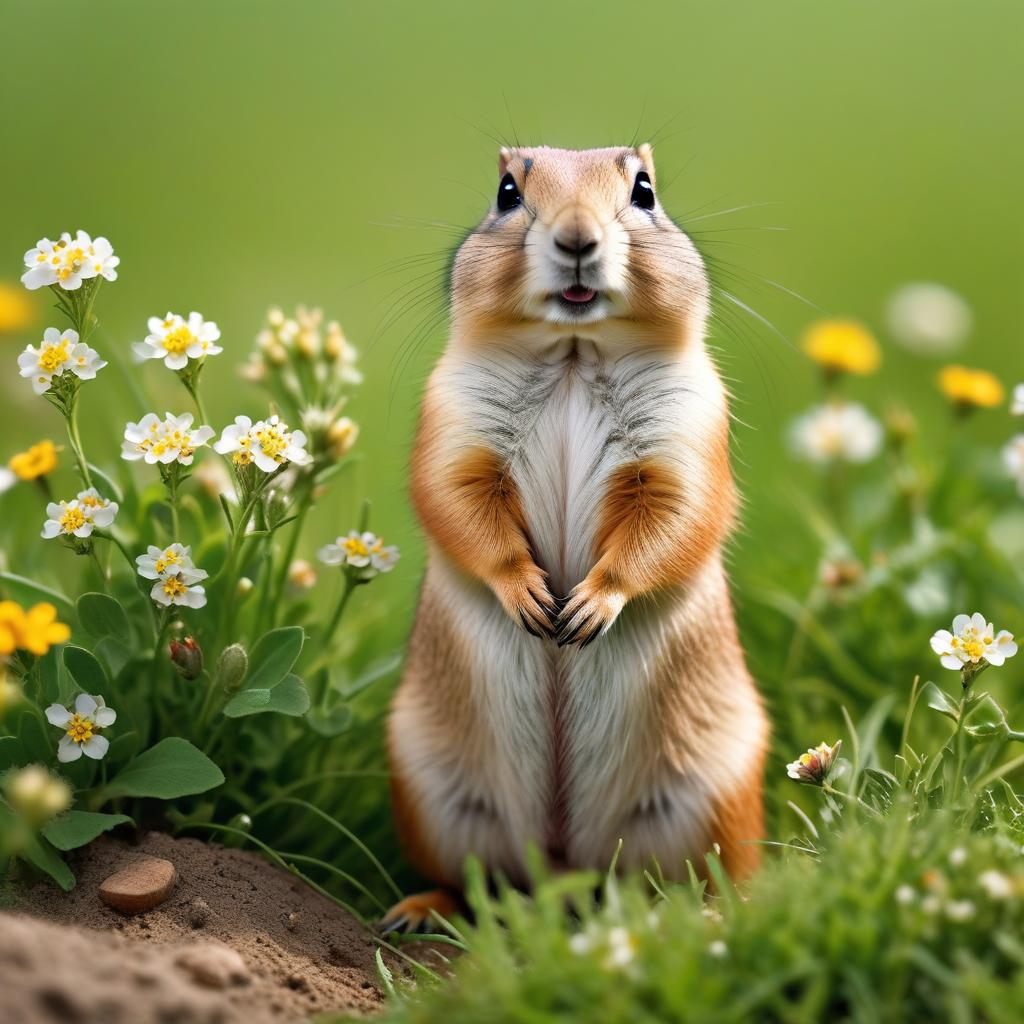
[198, 913]
[140, 886]
[292, 920]
[213, 965]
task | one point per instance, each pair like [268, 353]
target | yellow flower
[34, 631]
[16, 309]
[971, 388]
[842, 346]
[39, 460]
[11, 621]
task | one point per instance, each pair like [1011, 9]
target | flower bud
[275, 317]
[276, 354]
[341, 436]
[187, 657]
[334, 344]
[10, 693]
[243, 587]
[307, 344]
[301, 576]
[277, 506]
[242, 822]
[232, 667]
[36, 795]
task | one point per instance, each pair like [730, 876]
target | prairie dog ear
[504, 159]
[646, 155]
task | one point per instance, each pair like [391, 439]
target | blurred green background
[240, 155]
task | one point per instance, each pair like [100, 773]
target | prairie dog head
[576, 244]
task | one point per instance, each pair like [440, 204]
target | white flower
[996, 884]
[269, 444]
[836, 431]
[301, 575]
[360, 550]
[56, 353]
[169, 440]
[176, 340]
[1013, 459]
[7, 479]
[80, 516]
[971, 641]
[69, 261]
[957, 857]
[718, 949]
[82, 728]
[959, 910]
[1017, 403]
[158, 562]
[928, 318]
[621, 949]
[905, 895]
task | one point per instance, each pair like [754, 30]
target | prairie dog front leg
[653, 531]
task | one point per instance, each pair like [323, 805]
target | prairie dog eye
[508, 194]
[643, 191]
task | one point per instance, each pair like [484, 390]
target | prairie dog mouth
[578, 294]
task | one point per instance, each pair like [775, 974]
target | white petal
[960, 623]
[942, 642]
[58, 715]
[951, 661]
[105, 717]
[51, 529]
[978, 622]
[176, 361]
[86, 705]
[95, 747]
[68, 750]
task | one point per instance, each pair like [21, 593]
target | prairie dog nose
[576, 233]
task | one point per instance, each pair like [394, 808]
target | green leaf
[288, 697]
[11, 752]
[168, 770]
[38, 591]
[76, 828]
[102, 616]
[273, 657]
[38, 851]
[86, 670]
[330, 723]
[938, 701]
[38, 741]
[226, 507]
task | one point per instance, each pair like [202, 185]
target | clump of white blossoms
[69, 261]
[267, 444]
[363, 551]
[176, 576]
[836, 431]
[167, 440]
[82, 727]
[176, 340]
[928, 318]
[88, 511]
[56, 354]
[1013, 460]
[972, 645]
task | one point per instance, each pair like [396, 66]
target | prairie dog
[574, 674]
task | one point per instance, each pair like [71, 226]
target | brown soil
[68, 957]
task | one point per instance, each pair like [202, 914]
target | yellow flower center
[272, 442]
[354, 546]
[178, 340]
[167, 559]
[53, 357]
[173, 587]
[80, 729]
[242, 458]
[91, 501]
[72, 519]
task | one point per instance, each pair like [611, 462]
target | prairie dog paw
[588, 613]
[525, 596]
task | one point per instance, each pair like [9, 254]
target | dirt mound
[237, 940]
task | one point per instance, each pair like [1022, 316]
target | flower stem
[75, 439]
[850, 798]
[346, 593]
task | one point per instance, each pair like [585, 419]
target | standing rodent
[574, 675]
